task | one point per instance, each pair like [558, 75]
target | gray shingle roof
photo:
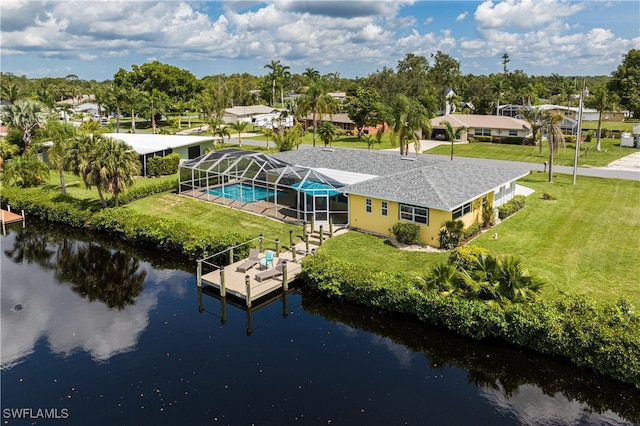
[365, 161]
[443, 186]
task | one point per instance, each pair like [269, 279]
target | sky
[94, 39]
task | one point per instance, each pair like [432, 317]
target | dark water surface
[100, 334]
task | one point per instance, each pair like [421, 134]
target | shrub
[496, 139]
[510, 207]
[451, 235]
[154, 166]
[466, 256]
[488, 216]
[471, 231]
[150, 187]
[171, 163]
[406, 233]
[549, 196]
[483, 138]
[513, 140]
[570, 138]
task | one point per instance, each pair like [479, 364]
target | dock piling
[293, 252]
[260, 238]
[223, 287]
[277, 248]
[247, 282]
[290, 237]
[198, 273]
[285, 281]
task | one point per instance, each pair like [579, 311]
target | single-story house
[341, 121]
[247, 112]
[149, 145]
[480, 125]
[361, 189]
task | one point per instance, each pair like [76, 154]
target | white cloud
[428, 20]
[461, 16]
[523, 13]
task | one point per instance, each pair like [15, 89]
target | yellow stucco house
[361, 189]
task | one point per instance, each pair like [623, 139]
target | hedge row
[127, 225]
[605, 340]
[511, 206]
[151, 186]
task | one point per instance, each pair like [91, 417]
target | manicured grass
[586, 241]
[609, 125]
[611, 151]
[372, 252]
[212, 217]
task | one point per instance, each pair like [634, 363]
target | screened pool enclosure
[262, 184]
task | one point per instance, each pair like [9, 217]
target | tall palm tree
[61, 134]
[317, 101]
[556, 140]
[116, 164]
[537, 118]
[311, 73]
[239, 126]
[452, 133]
[406, 117]
[10, 92]
[134, 99]
[279, 74]
[602, 100]
[115, 98]
[26, 115]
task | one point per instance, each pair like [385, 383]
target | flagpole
[578, 136]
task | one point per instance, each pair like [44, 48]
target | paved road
[617, 172]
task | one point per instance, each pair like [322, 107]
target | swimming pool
[240, 192]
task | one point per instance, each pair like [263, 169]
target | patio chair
[254, 257]
[267, 259]
[270, 273]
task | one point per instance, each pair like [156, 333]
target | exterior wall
[376, 223]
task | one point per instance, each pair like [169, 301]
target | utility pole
[578, 136]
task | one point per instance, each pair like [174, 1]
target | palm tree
[7, 150]
[556, 140]
[10, 93]
[311, 73]
[26, 115]
[25, 170]
[406, 117]
[268, 133]
[134, 99]
[602, 100]
[61, 134]
[537, 118]
[115, 98]
[79, 157]
[316, 100]
[452, 134]
[116, 164]
[222, 132]
[239, 126]
[327, 132]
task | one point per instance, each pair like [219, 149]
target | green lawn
[212, 217]
[611, 151]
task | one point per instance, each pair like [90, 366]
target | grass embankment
[611, 151]
[213, 217]
[586, 241]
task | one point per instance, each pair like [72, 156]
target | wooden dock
[244, 285]
[7, 216]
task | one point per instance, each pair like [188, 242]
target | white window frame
[368, 205]
[461, 211]
[384, 209]
[414, 214]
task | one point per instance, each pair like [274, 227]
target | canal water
[97, 333]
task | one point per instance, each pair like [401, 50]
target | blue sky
[93, 39]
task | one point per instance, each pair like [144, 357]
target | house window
[482, 132]
[414, 214]
[368, 205]
[461, 211]
[513, 133]
[385, 208]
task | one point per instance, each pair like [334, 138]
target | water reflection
[536, 389]
[33, 309]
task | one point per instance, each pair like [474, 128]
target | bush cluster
[483, 138]
[167, 165]
[471, 231]
[511, 206]
[405, 232]
[127, 225]
[549, 196]
[513, 140]
[605, 340]
[155, 186]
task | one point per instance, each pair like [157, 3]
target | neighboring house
[480, 125]
[246, 113]
[449, 106]
[149, 145]
[341, 121]
[361, 189]
[588, 114]
[90, 108]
